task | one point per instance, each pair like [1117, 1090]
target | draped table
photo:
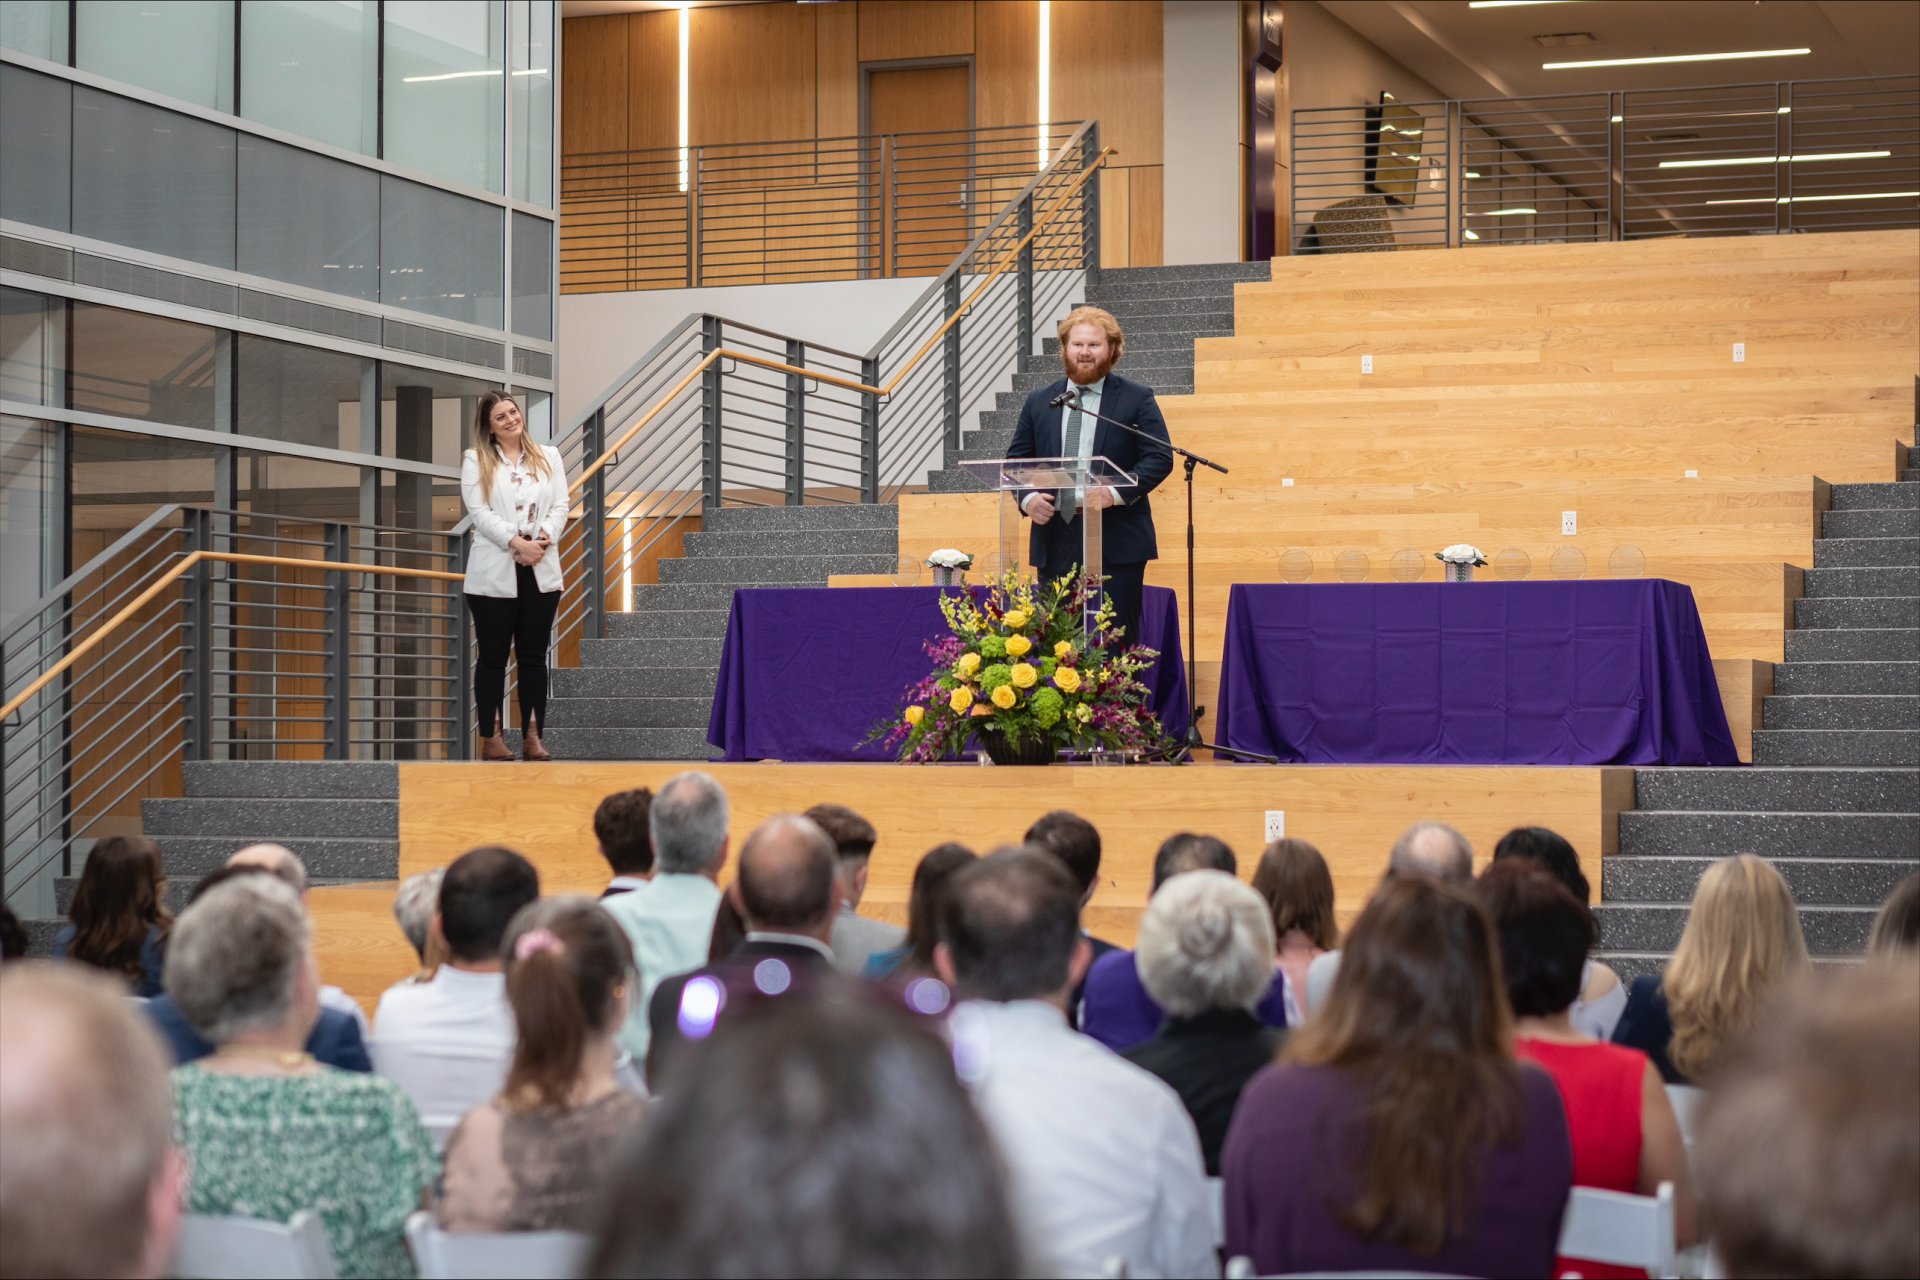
[806, 671]
[1544, 673]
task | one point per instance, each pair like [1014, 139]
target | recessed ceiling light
[1733, 160]
[1856, 195]
[1676, 57]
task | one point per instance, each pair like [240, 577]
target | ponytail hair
[567, 965]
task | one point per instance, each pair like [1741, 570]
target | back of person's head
[119, 900]
[568, 966]
[818, 1138]
[620, 824]
[852, 835]
[1010, 924]
[1545, 934]
[277, 859]
[1552, 851]
[227, 874]
[236, 956]
[89, 1181]
[1896, 928]
[1185, 851]
[1807, 1147]
[414, 905]
[13, 935]
[482, 891]
[1418, 1021]
[1741, 942]
[1072, 839]
[1434, 849]
[1206, 942]
[688, 821]
[937, 868]
[788, 876]
[1294, 881]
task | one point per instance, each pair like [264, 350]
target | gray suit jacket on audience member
[856, 938]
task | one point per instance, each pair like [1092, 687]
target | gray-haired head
[688, 822]
[277, 858]
[414, 905]
[1206, 942]
[236, 955]
[1434, 849]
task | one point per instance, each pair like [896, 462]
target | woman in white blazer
[516, 492]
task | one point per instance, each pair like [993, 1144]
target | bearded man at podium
[1050, 426]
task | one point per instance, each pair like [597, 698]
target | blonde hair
[1741, 943]
[487, 453]
[1094, 316]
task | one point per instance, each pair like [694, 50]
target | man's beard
[1098, 372]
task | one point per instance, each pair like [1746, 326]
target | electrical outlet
[1739, 353]
[1692, 474]
[1569, 523]
[1276, 825]
[1286, 482]
[1366, 364]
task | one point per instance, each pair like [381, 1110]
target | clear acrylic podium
[1015, 478]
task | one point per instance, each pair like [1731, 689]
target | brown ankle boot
[531, 748]
[495, 748]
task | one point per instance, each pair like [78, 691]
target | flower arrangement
[1020, 668]
[1460, 553]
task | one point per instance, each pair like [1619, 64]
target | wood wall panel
[595, 88]
[654, 104]
[1004, 63]
[1116, 217]
[1108, 64]
[891, 30]
[836, 30]
[1146, 230]
[746, 78]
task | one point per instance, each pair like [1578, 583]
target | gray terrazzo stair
[1199, 302]
[583, 743]
[1218, 320]
[294, 779]
[1836, 746]
[1793, 790]
[1861, 553]
[1855, 882]
[1857, 611]
[1830, 930]
[859, 540]
[1910, 474]
[1828, 583]
[1854, 644]
[271, 819]
[1843, 711]
[1861, 497]
[629, 680]
[1847, 677]
[648, 596]
[823, 516]
[602, 712]
[655, 652]
[1145, 340]
[667, 624]
[1809, 835]
[794, 570]
[326, 858]
[1881, 523]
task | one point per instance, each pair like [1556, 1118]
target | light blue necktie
[1076, 424]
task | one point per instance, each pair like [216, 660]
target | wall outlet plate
[1569, 523]
[1739, 353]
[1692, 474]
[1286, 482]
[1366, 364]
[1276, 828]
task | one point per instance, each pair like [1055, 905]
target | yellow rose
[962, 699]
[1067, 680]
[968, 664]
[1004, 697]
[915, 714]
[980, 709]
[1017, 645]
[1025, 675]
[1062, 649]
[1015, 619]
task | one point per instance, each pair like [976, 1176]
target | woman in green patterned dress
[266, 1129]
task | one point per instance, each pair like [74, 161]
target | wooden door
[926, 163]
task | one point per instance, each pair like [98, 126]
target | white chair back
[519, 1255]
[443, 1083]
[1621, 1229]
[1217, 1206]
[1686, 1103]
[242, 1248]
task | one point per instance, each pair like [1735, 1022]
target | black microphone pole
[1191, 460]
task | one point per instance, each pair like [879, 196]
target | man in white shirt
[856, 938]
[1103, 1158]
[669, 919]
[285, 863]
[448, 1042]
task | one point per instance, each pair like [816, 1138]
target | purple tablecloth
[806, 671]
[1471, 673]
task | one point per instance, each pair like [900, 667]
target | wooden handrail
[172, 575]
[886, 389]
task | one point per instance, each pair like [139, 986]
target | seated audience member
[1076, 842]
[286, 864]
[1808, 1144]
[413, 908]
[1741, 942]
[336, 1039]
[1429, 848]
[620, 825]
[1398, 1133]
[787, 890]
[536, 1157]
[729, 930]
[1206, 955]
[1298, 889]
[1102, 1156]
[13, 935]
[1602, 995]
[119, 914]
[913, 958]
[670, 919]
[821, 1139]
[267, 1130]
[856, 938]
[1624, 1132]
[1896, 928]
[1116, 1008]
[90, 1182]
[448, 1042]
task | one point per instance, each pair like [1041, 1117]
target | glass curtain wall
[312, 67]
[182, 49]
[445, 104]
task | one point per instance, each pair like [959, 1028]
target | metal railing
[206, 634]
[1792, 156]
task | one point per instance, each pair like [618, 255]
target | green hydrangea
[993, 648]
[1048, 666]
[1047, 707]
[993, 677]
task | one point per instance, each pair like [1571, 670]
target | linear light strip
[1733, 160]
[1045, 76]
[469, 75]
[1857, 195]
[686, 41]
[1677, 57]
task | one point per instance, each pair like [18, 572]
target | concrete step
[1843, 711]
[648, 596]
[1217, 320]
[653, 654]
[1855, 644]
[1762, 789]
[1845, 882]
[1852, 553]
[1846, 677]
[1113, 278]
[1200, 302]
[292, 779]
[1823, 584]
[326, 857]
[1785, 835]
[838, 515]
[620, 681]
[1650, 927]
[272, 819]
[798, 542]
[676, 623]
[1857, 611]
[1899, 523]
[954, 481]
[630, 713]
[624, 744]
[797, 570]
[1910, 474]
[1143, 341]
[1874, 497]
[1836, 746]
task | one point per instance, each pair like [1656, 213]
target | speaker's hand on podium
[1040, 508]
[1100, 499]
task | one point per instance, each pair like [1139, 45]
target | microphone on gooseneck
[1068, 396]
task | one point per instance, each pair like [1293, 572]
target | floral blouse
[346, 1145]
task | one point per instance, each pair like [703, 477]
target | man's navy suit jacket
[1126, 535]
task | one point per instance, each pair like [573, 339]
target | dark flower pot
[1001, 751]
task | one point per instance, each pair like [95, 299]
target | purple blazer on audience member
[1120, 1014]
[1287, 1164]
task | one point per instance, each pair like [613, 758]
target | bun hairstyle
[1206, 942]
[568, 965]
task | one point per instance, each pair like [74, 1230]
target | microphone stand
[1190, 460]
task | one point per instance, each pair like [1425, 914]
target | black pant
[1124, 586]
[523, 624]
